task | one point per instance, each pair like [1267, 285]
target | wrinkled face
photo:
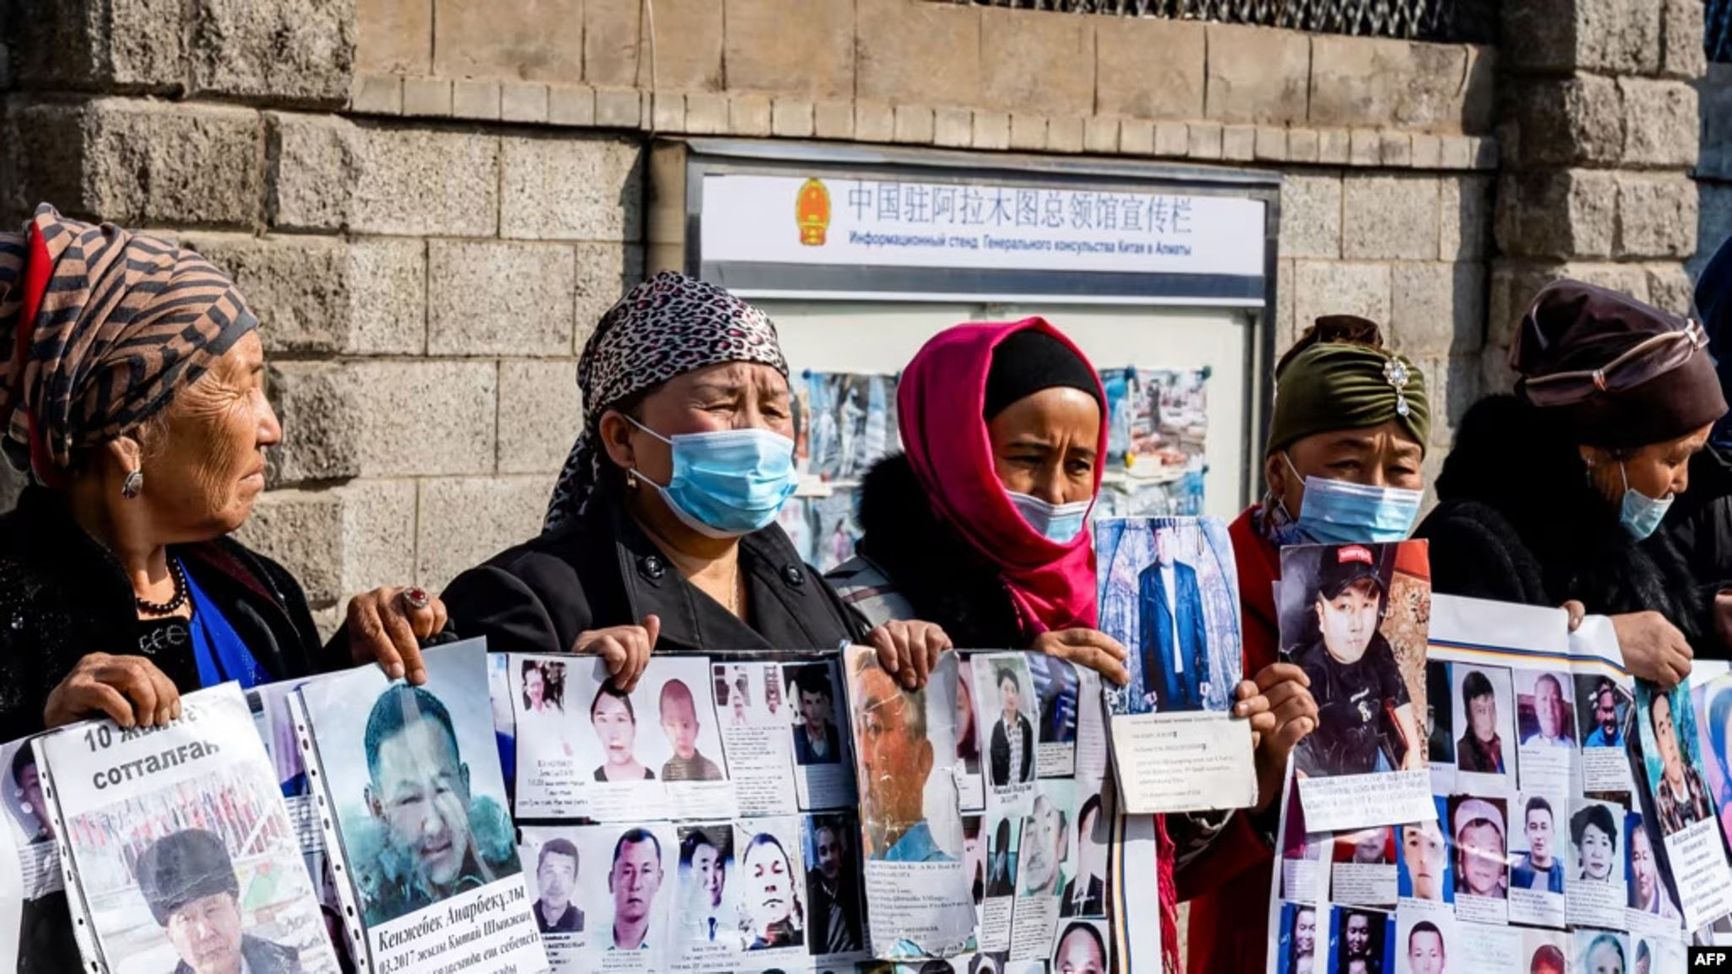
[1078, 953]
[1666, 738]
[1482, 716]
[1642, 862]
[534, 686]
[1043, 834]
[895, 761]
[1422, 847]
[1606, 712]
[680, 724]
[1605, 958]
[1305, 931]
[1539, 833]
[1483, 858]
[708, 870]
[615, 728]
[1658, 470]
[1425, 952]
[422, 794]
[1382, 456]
[1549, 707]
[556, 878]
[1358, 934]
[729, 396]
[1046, 444]
[769, 889]
[1596, 853]
[636, 876]
[829, 854]
[1349, 620]
[204, 464]
[814, 710]
[207, 934]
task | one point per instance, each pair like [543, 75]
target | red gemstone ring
[416, 597]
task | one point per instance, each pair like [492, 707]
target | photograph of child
[1480, 833]
[1484, 703]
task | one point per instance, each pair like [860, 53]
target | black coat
[1700, 521]
[941, 575]
[600, 570]
[63, 595]
[1517, 521]
[1000, 754]
[847, 898]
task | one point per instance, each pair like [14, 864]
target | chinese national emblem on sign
[812, 212]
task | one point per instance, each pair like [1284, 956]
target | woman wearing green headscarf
[1342, 464]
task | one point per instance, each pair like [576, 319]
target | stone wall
[430, 201]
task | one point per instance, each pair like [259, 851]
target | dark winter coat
[1700, 521]
[63, 595]
[600, 570]
[1518, 521]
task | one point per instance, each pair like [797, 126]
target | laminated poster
[409, 789]
[32, 896]
[1678, 806]
[1169, 593]
[177, 847]
[1354, 618]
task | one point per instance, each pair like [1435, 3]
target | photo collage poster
[1532, 857]
[177, 845]
[1157, 432]
[1169, 593]
[1673, 748]
[413, 805]
[1354, 617]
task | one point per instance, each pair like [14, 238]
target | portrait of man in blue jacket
[1175, 646]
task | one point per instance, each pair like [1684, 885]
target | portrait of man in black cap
[189, 882]
[1365, 713]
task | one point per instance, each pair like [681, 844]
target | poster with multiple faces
[1538, 852]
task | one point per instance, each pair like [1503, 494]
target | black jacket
[847, 898]
[1700, 521]
[1001, 756]
[63, 595]
[601, 570]
[1517, 521]
[941, 575]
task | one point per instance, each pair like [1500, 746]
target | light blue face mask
[1060, 523]
[727, 483]
[1339, 512]
[1638, 513]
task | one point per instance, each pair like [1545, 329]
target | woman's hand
[386, 626]
[1088, 647]
[129, 689]
[1653, 648]
[908, 649]
[1577, 612]
[1282, 711]
[624, 650]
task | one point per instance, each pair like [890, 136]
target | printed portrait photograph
[818, 737]
[201, 875]
[631, 885]
[1596, 832]
[1006, 707]
[1425, 869]
[1080, 947]
[852, 417]
[1656, 955]
[1602, 712]
[1424, 941]
[1085, 893]
[1484, 703]
[968, 735]
[1538, 830]
[1361, 941]
[557, 874]
[1168, 593]
[1545, 709]
[1055, 690]
[27, 813]
[1712, 702]
[1002, 835]
[1602, 952]
[1545, 952]
[835, 897]
[1374, 846]
[540, 685]
[1049, 842]
[1355, 619]
[706, 896]
[414, 774]
[546, 734]
[665, 729]
[1479, 829]
[905, 760]
[770, 882]
[1671, 759]
[1649, 891]
[1439, 715]
[1298, 941]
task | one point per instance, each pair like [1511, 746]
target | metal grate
[1470, 21]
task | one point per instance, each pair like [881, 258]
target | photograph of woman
[1647, 893]
[615, 722]
[1594, 837]
[770, 893]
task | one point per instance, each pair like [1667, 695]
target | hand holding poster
[181, 846]
[1168, 592]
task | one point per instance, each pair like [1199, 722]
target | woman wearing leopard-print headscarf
[662, 530]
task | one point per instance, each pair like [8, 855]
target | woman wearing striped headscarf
[132, 393]
[662, 530]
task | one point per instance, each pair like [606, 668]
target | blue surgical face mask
[1339, 512]
[1054, 522]
[1638, 513]
[729, 482]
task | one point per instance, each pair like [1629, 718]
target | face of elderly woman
[1044, 445]
[1382, 456]
[733, 395]
[1658, 470]
[204, 462]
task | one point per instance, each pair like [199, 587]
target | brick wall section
[429, 202]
